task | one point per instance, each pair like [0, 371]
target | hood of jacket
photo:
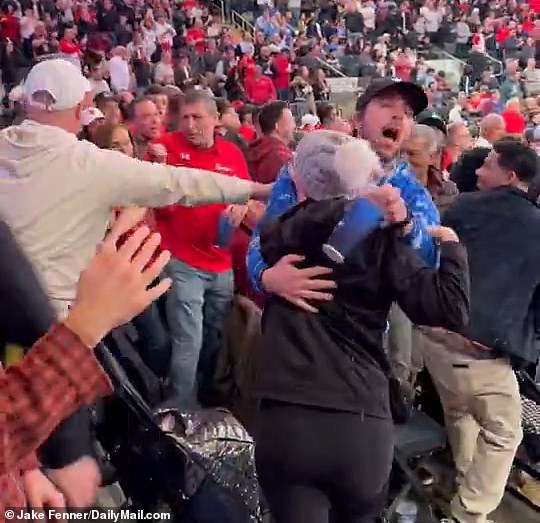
[22, 148]
[265, 157]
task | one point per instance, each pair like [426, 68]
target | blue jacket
[416, 198]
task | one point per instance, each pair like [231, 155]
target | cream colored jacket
[57, 193]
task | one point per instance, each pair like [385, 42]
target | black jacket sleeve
[25, 316]
[25, 311]
[436, 298]
[302, 230]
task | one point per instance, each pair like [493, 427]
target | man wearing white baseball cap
[56, 192]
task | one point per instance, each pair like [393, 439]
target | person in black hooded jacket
[325, 433]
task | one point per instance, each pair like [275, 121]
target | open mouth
[391, 133]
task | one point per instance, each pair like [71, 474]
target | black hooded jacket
[335, 359]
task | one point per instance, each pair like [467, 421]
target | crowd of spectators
[175, 84]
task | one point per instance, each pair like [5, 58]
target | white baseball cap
[60, 79]
[309, 119]
[90, 115]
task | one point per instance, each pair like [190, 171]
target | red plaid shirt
[57, 376]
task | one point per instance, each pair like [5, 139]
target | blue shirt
[417, 199]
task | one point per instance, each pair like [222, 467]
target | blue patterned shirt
[417, 199]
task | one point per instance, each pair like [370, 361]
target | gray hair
[194, 96]
[329, 164]
[433, 138]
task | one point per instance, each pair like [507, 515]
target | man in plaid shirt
[60, 372]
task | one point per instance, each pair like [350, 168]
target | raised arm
[124, 181]
[60, 372]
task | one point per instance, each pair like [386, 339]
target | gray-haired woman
[325, 432]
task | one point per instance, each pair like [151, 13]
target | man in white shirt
[119, 70]
[57, 193]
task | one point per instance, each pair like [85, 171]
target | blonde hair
[513, 102]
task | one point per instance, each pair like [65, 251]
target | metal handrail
[241, 22]
[331, 67]
[234, 18]
[450, 56]
[498, 62]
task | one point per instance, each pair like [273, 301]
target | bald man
[492, 128]
[458, 140]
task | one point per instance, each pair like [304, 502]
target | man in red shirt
[201, 272]
[196, 37]
[260, 88]
[269, 153]
[68, 44]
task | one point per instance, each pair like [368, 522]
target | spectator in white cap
[309, 122]
[326, 373]
[78, 184]
[57, 194]
[91, 119]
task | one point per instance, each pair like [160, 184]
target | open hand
[298, 285]
[115, 286]
[40, 492]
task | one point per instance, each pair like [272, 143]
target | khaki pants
[482, 407]
[400, 343]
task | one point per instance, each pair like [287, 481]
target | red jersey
[282, 71]
[189, 233]
[69, 47]
[260, 90]
[9, 27]
[247, 132]
[514, 122]
[197, 38]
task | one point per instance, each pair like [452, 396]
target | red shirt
[189, 233]
[69, 47]
[10, 27]
[196, 37]
[282, 69]
[247, 132]
[260, 90]
[57, 376]
[515, 123]
[502, 34]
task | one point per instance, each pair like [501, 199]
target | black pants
[313, 462]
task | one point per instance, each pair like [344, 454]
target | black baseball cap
[414, 94]
[432, 119]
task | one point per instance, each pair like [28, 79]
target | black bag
[200, 463]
